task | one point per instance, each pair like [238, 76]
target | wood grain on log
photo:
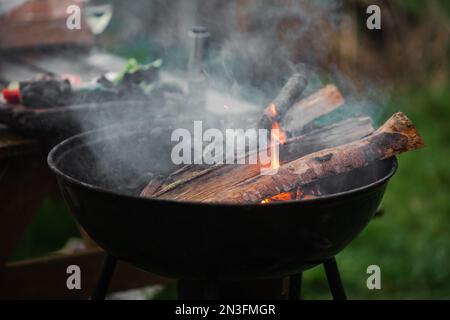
[152, 186]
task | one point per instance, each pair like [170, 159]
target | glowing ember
[299, 194]
[285, 196]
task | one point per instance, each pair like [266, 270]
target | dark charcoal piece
[46, 93]
[146, 75]
[98, 95]
[290, 93]
[287, 96]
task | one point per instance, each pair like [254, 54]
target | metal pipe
[197, 86]
[199, 44]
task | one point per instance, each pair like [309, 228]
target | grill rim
[84, 139]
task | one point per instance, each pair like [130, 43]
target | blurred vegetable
[12, 95]
[136, 73]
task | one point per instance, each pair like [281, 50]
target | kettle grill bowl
[200, 241]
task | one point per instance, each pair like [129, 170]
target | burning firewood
[194, 180]
[318, 104]
[347, 131]
[396, 136]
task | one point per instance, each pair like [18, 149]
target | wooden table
[25, 181]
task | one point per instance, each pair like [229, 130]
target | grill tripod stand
[212, 290]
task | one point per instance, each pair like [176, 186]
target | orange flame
[272, 111]
[274, 140]
[278, 136]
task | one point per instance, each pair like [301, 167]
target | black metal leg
[334, 280]
[295, 287]
[211, 291]
[189, 290]
[197, 290]
[104, 280]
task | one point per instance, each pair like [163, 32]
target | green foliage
[417, 7]
[412, 6]
[48, 232]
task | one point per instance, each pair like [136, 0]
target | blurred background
[402, 67]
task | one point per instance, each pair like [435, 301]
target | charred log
[288, 95]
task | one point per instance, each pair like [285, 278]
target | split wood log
[396, 136]
[314, 106]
